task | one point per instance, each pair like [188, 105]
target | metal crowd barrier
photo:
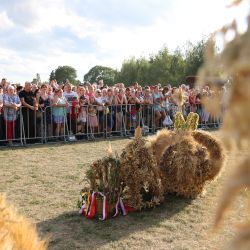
[11, 130]
[90, 122]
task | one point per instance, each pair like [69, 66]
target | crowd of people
[54, 110]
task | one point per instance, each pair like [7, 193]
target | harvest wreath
[179, 162]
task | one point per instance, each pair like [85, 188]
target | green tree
[142, 71]
[194, 57]
[129, 72]
[176, 68]
[100, 72]
[163, 67]
[37, 79]
[63, 73]
[52, 75]
[159, 70]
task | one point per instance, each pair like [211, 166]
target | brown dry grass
[43, 183]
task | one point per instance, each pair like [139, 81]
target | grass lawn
[43, 182]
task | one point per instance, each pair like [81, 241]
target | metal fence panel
[92, 121]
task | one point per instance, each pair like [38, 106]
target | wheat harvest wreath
[180, 162]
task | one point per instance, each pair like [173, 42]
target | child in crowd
[92, 115]
[82, 116]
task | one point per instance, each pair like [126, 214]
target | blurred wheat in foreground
[16, 232]
[233, 62]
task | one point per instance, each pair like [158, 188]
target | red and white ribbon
[92, 208]
[123, 208]
[104, 207]
[82, 209]
[84, 203]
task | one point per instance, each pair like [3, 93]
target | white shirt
[100, 100]
[70, 96]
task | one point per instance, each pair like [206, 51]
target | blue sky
[37, 36]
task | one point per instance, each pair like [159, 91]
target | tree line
[163, 67]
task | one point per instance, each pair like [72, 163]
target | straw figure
[189, 163]
[192, 159]
[103, 176]
[140, 177]
[234, 60]
[164, 137]
[16, 232]
[160, 142]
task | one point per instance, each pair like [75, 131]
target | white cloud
[5, 22]
[37, 16]
[182, 21]
[187, 21]
[18, 68]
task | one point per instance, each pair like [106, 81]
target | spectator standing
[11, 103]
[166, 103]
[159, 111]
[198, 103]
[74, 114]
[82, 117]
[174, 102]
[204, 114]
[192, 101]
[2, 129]
[147, 107]
[120, 100]
[101, 102]
[28, 100]
[70, 96]
[44, 104]
[19, 89]
[100, 84]
[132, 109]
[92, 115]
[4, 85]
[38, 118]
[135, 85]
[50, 92]
[34, 88]
[90, 91]
[165, 91]
[54, 85]
[110, 116]
[60, 105]
[104, 93]
[68, 93]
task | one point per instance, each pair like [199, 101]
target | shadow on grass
[73, 231]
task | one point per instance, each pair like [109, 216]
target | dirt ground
[43, 182]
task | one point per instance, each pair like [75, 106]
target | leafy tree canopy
[63, 73]
[163, 67]
[99, 72]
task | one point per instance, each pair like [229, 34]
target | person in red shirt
[74, 114]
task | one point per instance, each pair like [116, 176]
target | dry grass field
[43, 182]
